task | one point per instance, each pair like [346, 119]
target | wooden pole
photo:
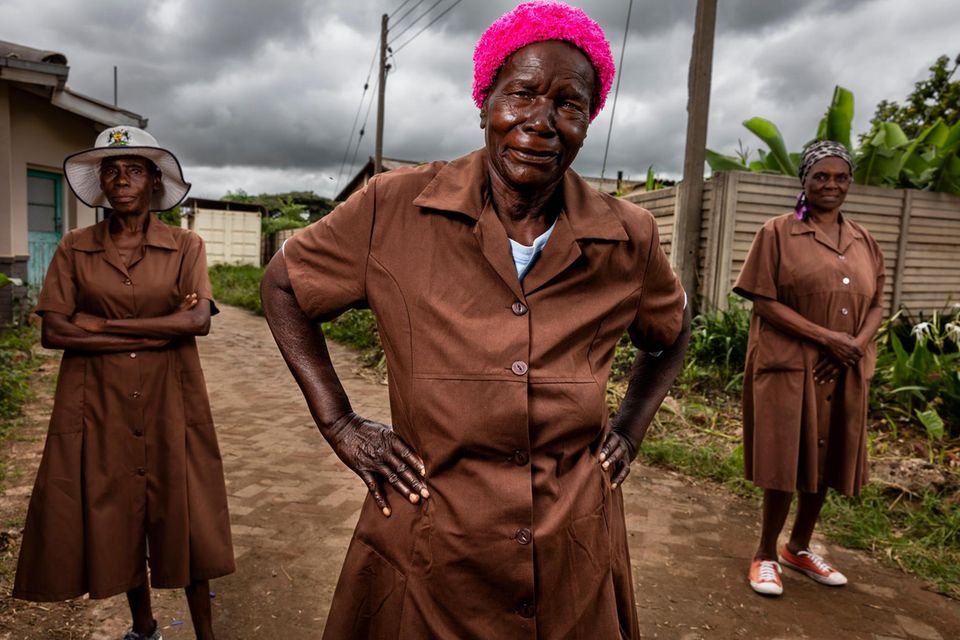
[688, 215]
[381, 88]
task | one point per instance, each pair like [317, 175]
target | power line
[429, 24]
[418, 19]
[616, 92]
[407, 12]
[356, 118]
[398, 8]
[366, 118]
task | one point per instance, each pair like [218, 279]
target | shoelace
[817, 561]
[768, 571]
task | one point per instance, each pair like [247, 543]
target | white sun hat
[83, 169]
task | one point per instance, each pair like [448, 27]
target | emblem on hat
[119, 138]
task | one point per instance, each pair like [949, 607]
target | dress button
[524, 536]
[845, 311]
[519, 308]
[520, 457]
[128, 282]
[842, 257]
[845, 281]
[141, 471]
[821, 442]
[526, 609]
[138, 433]
[519, 367]
[135, 394]
[133, 355]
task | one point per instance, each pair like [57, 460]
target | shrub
[16, 364]
[918, 375]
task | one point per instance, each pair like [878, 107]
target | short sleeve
[59, 291]
[194, 277]
[758, 277]
[662, 300]
[327, 261]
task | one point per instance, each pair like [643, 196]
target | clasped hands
[841, 350]
[376, 453]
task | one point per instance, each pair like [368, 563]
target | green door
[44, 222]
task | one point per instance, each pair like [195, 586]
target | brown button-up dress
[500, 387]
[131, 456]
[797, 434]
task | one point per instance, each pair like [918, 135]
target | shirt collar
[93, 238]
[462, 186]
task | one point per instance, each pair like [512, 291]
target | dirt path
[293, 508]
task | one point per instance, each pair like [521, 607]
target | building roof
[366, 172]
[192, 204]
[45, 72]
[607, 185]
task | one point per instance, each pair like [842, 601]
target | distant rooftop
[46, 72]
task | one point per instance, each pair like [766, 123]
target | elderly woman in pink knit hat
[501, 283]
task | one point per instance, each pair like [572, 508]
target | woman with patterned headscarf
[816, 281]
[501, 282]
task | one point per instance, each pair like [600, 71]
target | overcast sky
[261, 96]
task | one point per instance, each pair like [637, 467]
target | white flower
[922, 331]
[952, 330]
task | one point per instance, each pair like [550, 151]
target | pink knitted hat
[535, 22]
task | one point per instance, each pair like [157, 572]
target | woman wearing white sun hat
[131, 460]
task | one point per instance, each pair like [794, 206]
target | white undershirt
[524, 256]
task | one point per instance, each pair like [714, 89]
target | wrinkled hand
[826, 370]
[616, 454]
[189, 302]
[89, 323]
[843, 348]
[375, 453]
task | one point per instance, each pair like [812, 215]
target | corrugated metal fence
[918, 231]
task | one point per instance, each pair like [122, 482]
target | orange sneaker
[814, 566]
[765, 577]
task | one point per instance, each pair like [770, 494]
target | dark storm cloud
[268, 91]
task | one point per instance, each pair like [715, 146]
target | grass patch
[237, 285]
[919, 534]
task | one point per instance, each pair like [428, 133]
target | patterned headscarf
[535, 22]
[820, 150]
[813, 154]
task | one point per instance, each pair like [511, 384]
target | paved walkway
[293, 507]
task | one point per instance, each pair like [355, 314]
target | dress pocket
[777, 351]
[68, 403]
[196, 404]
[368, 602]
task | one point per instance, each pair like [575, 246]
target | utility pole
[688, 216]
[115, 85]
[381, 88]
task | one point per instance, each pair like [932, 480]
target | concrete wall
[918, 231]
[231, 237]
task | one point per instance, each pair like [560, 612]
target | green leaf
[651, 181]
[4, 280]
[770, 134]
[719, 162]
[836, 124]
[932, 422]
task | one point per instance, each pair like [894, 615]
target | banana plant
[887, 158]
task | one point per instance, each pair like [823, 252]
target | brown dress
[500, 387]
[131, 456]
[797, 434]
